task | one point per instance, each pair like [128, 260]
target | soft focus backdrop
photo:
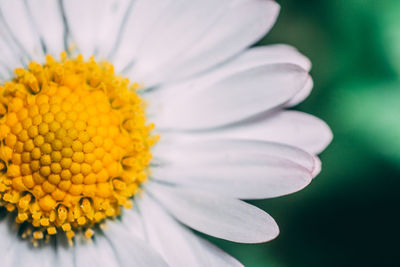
[348, 216]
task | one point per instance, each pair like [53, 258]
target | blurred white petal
[215, 215]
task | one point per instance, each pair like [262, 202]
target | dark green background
[348, 216]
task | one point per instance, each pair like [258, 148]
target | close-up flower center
[75, 145]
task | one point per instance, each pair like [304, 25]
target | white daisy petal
[263, 55]
[4, 72]
[94, 22]
[167, 55]
[113, 19]
[178, 245]
[318, 165]
[16, 22]
[302, 94]
[97, 253]
[5, 65]
[16, 252]
[216, 215]
[28, 256]
[137, 25]
[219, 257]
[8, 59]
[21, 253]
[81, 23]
[232, 99]
[85, 255]
[177, 149]
[51, 34]
[23, 256]
[249, 59]
[288, 127]
[130, 250]
[105, 253]
[131, 219]
[242, 169]
[167, 21]
[65, 254]
[8, 244]
[46, 257]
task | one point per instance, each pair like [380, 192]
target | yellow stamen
[75, 145]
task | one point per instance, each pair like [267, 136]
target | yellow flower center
[75, 145]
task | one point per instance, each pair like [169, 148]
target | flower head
[76, 145]
[78, 152]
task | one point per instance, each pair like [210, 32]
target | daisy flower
[125, 125]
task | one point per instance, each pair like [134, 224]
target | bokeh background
[349, 215]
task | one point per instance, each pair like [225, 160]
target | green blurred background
[348, 216]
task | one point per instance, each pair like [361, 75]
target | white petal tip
[317, 167]
[271, 232]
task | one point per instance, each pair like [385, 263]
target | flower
[82, 161]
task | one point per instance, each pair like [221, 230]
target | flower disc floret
[75, 145]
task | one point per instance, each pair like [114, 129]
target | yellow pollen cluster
[75, 145]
